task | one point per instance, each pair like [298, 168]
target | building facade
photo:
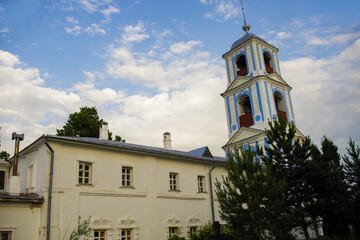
[129, 191]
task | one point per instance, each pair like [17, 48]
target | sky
[156, 66]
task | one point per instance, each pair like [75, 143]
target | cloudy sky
[156, 66]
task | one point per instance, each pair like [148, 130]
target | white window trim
[101, 229]
[30, 183]
[132, 185]
[92, 175]
[11, 229]
[203, 183]
[178, 186]
[127, 223]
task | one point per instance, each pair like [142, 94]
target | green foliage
[289, 159]
[205, 232]
[332, 198]
[84, 123]
[176, 238]
[251, 200]
[352, 175]
[4, 155]
[82, 231]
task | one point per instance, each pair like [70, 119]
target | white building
[127, 189]
[138, 192]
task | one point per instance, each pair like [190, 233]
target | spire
[245, 27]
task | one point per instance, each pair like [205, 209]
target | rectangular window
[126, 234]
[99, 234]
[126, 177]
[5, 235]
[174, 182]
[2, 180]
[201, 183]
[173, 231]
[85, 171]
[193, 229]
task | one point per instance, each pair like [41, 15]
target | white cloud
[183, 47]
[4, 30]
[72, 20]
[7, 59]
[222, 9]
[89, 5]
[110, 10]
[94, 29]
[283, 35]
[75, 30]
[326, 95]
[134, 33]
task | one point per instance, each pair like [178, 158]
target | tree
[352, 175]
[85, 123]
[289, 157]
[330, 188]
[83, 229]
[251, 201]
[207, 232]
[4, 155]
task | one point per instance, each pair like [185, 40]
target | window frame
[130, 181]
[201, 189]
[99, 237]
[172, 234]
[4, 180]
[126, 237]
[90, 177]
[6, 231]
[174, 187]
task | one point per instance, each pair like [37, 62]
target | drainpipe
[50, 191]
[211, 195]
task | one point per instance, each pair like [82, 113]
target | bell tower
[255, 91]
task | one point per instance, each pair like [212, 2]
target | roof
[244, 38]
[205, 157]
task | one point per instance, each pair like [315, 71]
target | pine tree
[250, 199]
[289, 158]
[330, 187]
[352, 175]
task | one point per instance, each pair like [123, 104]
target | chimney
[104, 131]
[167, 140]
[14, 181]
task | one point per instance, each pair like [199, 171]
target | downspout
[211, 194]
[50, 191]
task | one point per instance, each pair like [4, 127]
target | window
[126, 234]
[201, 183]
[193, 229]
[2, 181]
[85, 171]
[268, 62]
[126, 177]
[5, 235]
[241, 66]
[174, 182]
[173, 231]
[99, 234]
[245, 111]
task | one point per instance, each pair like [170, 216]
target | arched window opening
[241, 66]
[280, 106]
[268, 63]
[245, 111]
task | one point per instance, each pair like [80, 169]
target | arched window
[268, 63]
[245, 111]
[280, 105]
[241, 65]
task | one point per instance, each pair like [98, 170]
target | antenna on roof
[245, 27]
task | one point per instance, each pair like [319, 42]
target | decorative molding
[194, 221]
[173, 222]
[102, 223]
[127, 223]
[107, 194]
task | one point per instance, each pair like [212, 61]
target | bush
[176, 238]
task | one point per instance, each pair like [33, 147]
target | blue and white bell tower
[255, 90]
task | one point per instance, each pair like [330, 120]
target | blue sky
[156, 66]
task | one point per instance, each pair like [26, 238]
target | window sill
[127, 187]
[202, 192]
[85, 184]
[174, 191]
